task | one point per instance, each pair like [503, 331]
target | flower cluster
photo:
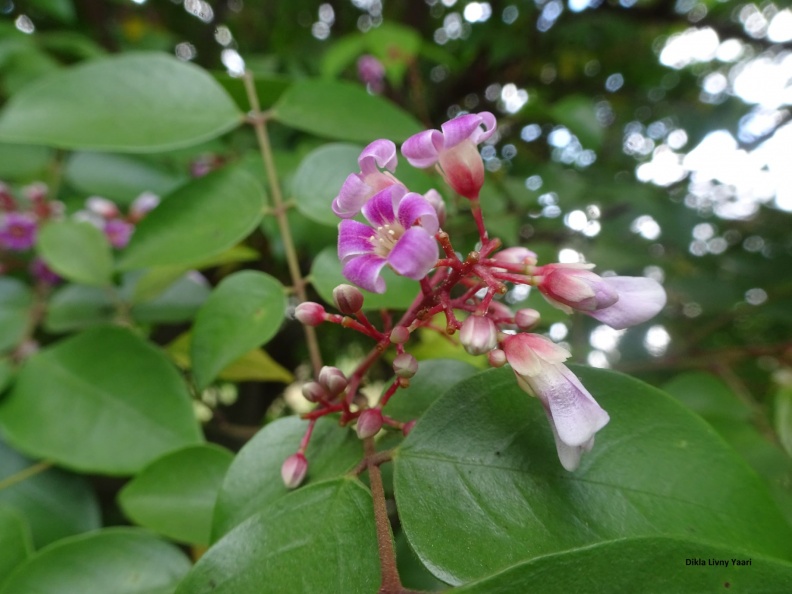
[403, 230]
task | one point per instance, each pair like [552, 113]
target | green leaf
[62, 10]
[23, 162]
[320, 538]
[15, 302]
[269, 88]
[126, 404]
[75, 307]
[650, 565]
[484, 452]
[576, 112]
[134, 102]
[175, 495]
[16, 544]
[243, 312]
[342, 111]
[77, 251]
[54, 503]
[254, 480]
[326, 276]
[117, 560]
[198, 221]
[180, 302]
[319, 178]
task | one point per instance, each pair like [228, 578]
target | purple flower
[575, 417]
[371, 72]
[454, 150]
[401, 235]
[42, 272]
[17, 231]
[359, 187]
[118, 232]
[618, 301]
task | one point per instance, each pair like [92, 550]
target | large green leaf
[77, 251]
[254, 481]
[197, 221]
[54, 503]
[484, 452]
[326, 275]
[319, 178]
[74, 307]
[175, 495]
[102, 401]
[117, 560]
[134, 102]
[650, 565]
[23, 162]
[15, 302]
[342, 111]
[320, 538]
[15, 542]
[243, 312]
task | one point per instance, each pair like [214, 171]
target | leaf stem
[25, 474]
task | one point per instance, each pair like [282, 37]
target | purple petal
[490, 124]
[459, 129]
[421, 150]
[379, 210]
[354, 239]
[415, 254]
[364, 271]
[351, 197]
[380, 154]
[640, 299]
[414, 207]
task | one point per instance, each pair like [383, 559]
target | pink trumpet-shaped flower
[575, 417]
[618, 301]
[454, 150]
[359, 187]
[401, 235]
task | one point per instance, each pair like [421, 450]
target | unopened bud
[399, 335]
[142, 205]
[405, 365]
[294, 470]
[333, 380]
[526, 318]
[314, 392]
[478, 335]
[516, 255]
[348, 299]
[434, 198]
[407, 427]
[497, 358]
[310, 313]
[369, 423]
[102, 206]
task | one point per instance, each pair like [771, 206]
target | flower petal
[380, 154]
[413, 207]
[415, 254]
[529, 354]
[354, 239]
[379, 210]
[468, 127]
[364, 271]
[568, 455]
[640, 299]
[351, 197]
[421, 150]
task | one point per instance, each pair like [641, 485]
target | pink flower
[454, 150]
[294, 469]
[401, 236]
[359, 187]
[118, 232]
[618, 301]
[575, 417]
[371, 72]
[17, 231]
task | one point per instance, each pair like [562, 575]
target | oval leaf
[319, 538]
[77, 251]
[199, 220]
[117, 560]
[74, 307]
[343, 111]
[127, 404]
[319, 178]
[15, 541]
[484, 452]
[135, 102]
[175, 495]
[16, 300]
[243, 312]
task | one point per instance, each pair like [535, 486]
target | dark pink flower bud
[369, 423]
[294, 470]
[478, 335]
[348, 299]
[574, 286]
[102, 206]
[118, 232]
[314, 392]
[516, 255]
[310, 313]
[7, 202]
[399, 335]
[405, 365]
[333, 380]
[371, 72]
[408, 426]
[497, 358]
[526, 318]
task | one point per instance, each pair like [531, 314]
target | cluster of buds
[404, 232]
[116, 226]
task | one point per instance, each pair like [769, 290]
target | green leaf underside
[136, 102]
[319, 538]
[127, 404]
[175, 495]
[117, 560]
[480, 469]
[199, 220]
[253, 480]
[77, 251]
[242, 313]
[650, 565]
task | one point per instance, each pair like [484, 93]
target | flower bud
[478, 335]
[142, 205]
[434, 198]
[333, 380]
[399, 335]
[102, 206]
[118, 232]
[348, 299]
[497, 358]
[314, 392]
[294, 470]
[369, 423]
[516, 255]
[526, 318]
[405, 365]
[407, 427]
[310, 313]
